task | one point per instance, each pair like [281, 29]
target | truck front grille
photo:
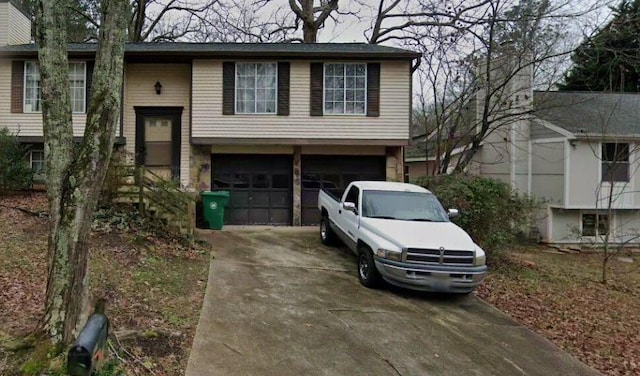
[438, 257]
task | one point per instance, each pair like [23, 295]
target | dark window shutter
[88, 82]
[17, 86]
[317, 75]
[228, 87]
[373, 89]
[284, 75]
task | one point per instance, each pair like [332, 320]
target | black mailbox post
[89, 346]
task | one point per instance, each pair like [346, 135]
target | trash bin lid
[215, 193]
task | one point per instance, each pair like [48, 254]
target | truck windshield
[407, 206]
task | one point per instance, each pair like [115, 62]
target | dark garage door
[334, 172]
[260, 187]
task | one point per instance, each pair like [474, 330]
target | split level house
[271, 123]
[577, 152]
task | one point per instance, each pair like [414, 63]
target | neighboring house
[272, 123]
[559, 147]
[584, 146]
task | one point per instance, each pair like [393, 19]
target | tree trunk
[74, 178]
[310, 33]
[306, 12]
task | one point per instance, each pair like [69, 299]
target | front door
[158, 139]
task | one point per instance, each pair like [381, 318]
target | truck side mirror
[453, 213]
[350, 206]
[88, 349]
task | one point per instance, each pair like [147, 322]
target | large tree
[263, 21]
[474, 51]
[78, 13]
[147, 20]
[609, 60]
[75, 173]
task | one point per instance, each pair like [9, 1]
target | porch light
[158, 87]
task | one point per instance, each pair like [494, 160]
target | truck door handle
[339, 211]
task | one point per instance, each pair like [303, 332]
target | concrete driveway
[280, 303]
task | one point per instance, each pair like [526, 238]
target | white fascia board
[555, 128]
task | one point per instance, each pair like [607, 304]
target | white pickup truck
[401, 233]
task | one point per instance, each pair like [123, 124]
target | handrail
[155, 191]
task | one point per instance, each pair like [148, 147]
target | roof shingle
[221, 50]
[590, 112]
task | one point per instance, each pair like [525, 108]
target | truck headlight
[389, 254]
[480, 257]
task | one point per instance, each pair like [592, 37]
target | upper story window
[615, 162]
[345, 88]
[77, 80]
[256, 88]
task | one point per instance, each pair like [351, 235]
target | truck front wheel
[367, 272]
[327, 236]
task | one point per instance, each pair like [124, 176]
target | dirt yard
[153, 285]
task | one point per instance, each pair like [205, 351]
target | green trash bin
[213, 204]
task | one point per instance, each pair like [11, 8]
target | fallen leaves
[151, 284]
[559, 296]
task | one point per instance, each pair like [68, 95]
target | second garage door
[260, 187]
[334, 172]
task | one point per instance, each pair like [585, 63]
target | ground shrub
[491, 212]
[15, 174]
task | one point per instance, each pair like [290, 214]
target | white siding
[4, 23]
[19, 27]
[520, 155]
[566, 226]
[567, 223]
[547, 172]
[627, 226]
[393, 123]
[583, 175]
[139, 91]
[26, 125]
[494, 157]
[585, 187]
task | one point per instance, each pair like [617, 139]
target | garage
[260, 187]
[334, 173]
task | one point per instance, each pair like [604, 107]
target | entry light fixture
[158, 87]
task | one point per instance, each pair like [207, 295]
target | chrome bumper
[438, 278]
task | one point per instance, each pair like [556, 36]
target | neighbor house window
[345, 88]
[615, 162]
[37, 161]
[595, 224]
[77, 81]
[256, 88]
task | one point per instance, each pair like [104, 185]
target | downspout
[414, 67]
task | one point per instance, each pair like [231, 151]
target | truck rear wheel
[367, 272]
[327, 236]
